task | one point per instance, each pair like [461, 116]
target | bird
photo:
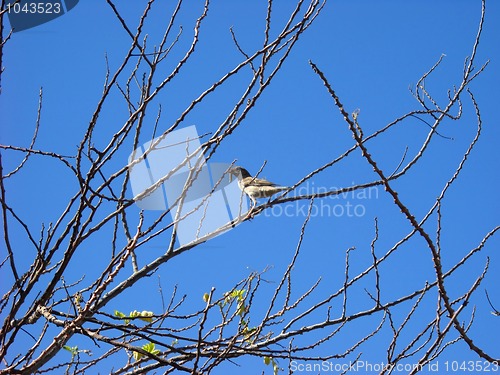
[255, 187]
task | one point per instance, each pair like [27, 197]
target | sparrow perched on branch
[254, 187]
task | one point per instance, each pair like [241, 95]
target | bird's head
[238, 172]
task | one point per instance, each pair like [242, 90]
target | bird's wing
[257, 182]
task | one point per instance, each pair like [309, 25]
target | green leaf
[267, 360]
[121, 315]
[144, 315]
[238, 294]
[206, 297]
[73, 350]
[249, 332]
[149, 347]
[138, 355]
[276, 368]
[241, 309]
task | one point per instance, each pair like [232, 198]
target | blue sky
[371, 52]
